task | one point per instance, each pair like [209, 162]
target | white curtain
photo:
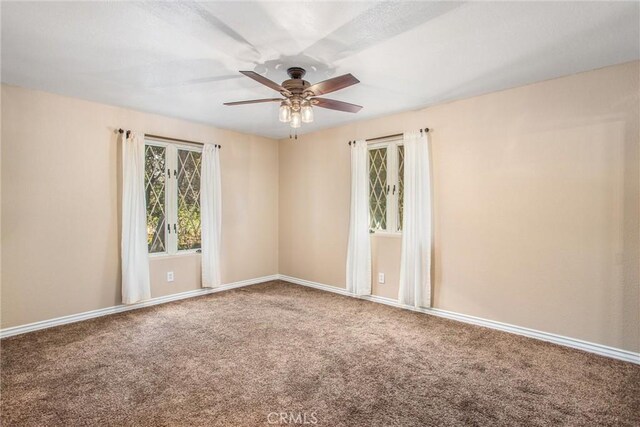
[359, 251]
[211, 215]
[415, 263]
[135, 257]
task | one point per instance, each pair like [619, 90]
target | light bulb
[296, 120]
[285, 113]
[307, 113]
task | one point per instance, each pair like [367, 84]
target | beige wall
[536, 205]
[60, 205]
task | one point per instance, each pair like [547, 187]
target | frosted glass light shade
[285, 113]
[307, 114]
[296, 120]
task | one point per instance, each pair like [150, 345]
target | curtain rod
[166, 138]
[388, 136]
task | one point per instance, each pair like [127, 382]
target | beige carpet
[242, 357]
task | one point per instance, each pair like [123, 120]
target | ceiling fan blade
[333, 84]
[254, 101]
[265, 81]
[332, 104]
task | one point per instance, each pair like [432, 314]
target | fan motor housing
[295, 84]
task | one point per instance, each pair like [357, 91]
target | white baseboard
[603, 350]
[16, 330]
[600, 349]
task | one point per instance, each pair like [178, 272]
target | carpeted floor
[243, 357]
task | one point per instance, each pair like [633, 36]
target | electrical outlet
[170, 276]
[381, 278]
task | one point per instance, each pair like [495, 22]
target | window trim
[391, 145]
[171, 196]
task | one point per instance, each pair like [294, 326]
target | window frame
[171, 196]
[391, 145]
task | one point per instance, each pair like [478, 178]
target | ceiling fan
[300, 96]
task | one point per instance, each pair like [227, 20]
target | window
[188, 199]
[155, 186]
[386, 186]
[172, 184]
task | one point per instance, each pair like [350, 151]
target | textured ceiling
[182, 59]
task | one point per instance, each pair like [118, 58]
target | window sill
[386, 234]
[178, 255]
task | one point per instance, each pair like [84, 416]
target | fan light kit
[300, 96]
[296, 113]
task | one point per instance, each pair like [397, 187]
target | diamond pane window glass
[188, 180]
[400, 184]
[155, 188]
[377, 189]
